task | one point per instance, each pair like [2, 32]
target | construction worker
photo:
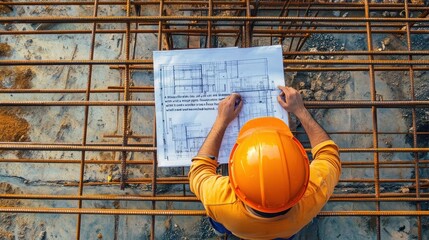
[272, 190]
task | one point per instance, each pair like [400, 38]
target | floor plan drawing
[187, 94]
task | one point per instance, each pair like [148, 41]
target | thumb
[282, 101]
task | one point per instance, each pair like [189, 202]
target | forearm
[316, 134]
[213, 141]
[203, 167]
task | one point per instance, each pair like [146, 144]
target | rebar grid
[243, 23]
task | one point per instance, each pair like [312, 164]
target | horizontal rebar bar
[367, 180]
[388, 162]
[149, 67]
[382, 195]
[63, 147]
[189, 198]
[141, 61]
[73, 147]
[352, 8]
[387, 199]
[366, 132]
[218, 32]
[202, 3]
[103, 211]
[77, 103]
[16, 90]
[309, 104]
[372, 213]
[137, 19]
[335, 197]
[191, 212]
[184, 180]
[345, 164]
[389, 166]
[71, 161]
[100, 197]
[348, 53]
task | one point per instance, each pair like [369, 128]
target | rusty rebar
[308, 104]
[184, 180]
[141, 61]
[122, 19]
[414, 122]
[98, 211]
[141, 67]
[126, 94]
[191, 212]
[274, 4]
[86, 115]
[72, 161]
[345, 164]
[137, 148]
[218, 32]
[374, 116]
[190, 198]
[34, 91]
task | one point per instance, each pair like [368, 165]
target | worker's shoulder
[219, 193]
[325, 154]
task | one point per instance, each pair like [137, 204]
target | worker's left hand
[228, 109]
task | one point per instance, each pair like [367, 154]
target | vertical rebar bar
[126, 117]
[374, 116]
[247, 31]
[154, 176]
[283, 13]
[209, 26]
[85, 124]
[160, 24]
[155, 161]
[414, 121]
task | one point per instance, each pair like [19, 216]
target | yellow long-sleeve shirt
[221, 203]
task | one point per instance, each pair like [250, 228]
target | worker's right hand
[228, 109]
[290, 99]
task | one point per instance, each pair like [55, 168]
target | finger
[281, 101]
[236, 98]
[238, 108]
[288, 89]
[282, 88]
[282, 95]
[235, 95]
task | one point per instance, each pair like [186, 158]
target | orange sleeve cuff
[318, 147]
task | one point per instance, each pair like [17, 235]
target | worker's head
[268, 167]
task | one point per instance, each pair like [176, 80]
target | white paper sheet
[189, 85]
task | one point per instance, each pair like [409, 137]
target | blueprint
[189, 85]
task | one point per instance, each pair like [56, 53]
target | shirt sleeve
[326, 165]
[202, 173]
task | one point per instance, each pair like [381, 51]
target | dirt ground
[16, 78]
[12, 127]
[5, 50]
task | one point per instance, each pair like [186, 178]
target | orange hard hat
[268, 167]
